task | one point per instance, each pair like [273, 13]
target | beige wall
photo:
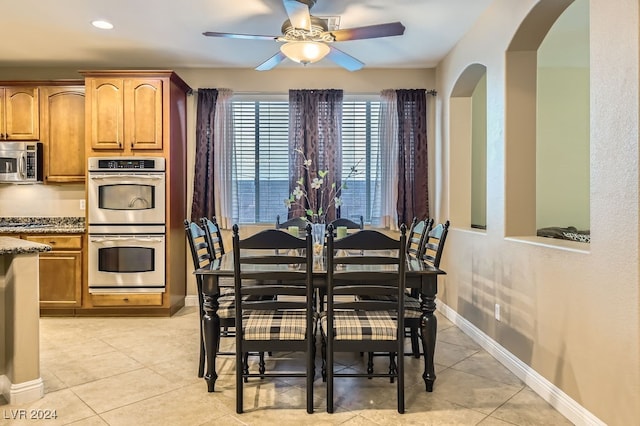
[569, 312]
[41, 200]
[479, 153]
[562, 148]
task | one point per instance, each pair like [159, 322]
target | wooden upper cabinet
[105, 116]
[125, 113]
[143, 113]
[19, 113]
[62, 131]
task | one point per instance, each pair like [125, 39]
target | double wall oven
[126, 216]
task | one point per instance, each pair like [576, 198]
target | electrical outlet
[496, 311]
[82, 205]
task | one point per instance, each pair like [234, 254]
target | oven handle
[119, 177]
[116, 239]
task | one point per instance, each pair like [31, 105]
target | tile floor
[142, 371]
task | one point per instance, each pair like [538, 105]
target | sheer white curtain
[386, 195]
[223, 153]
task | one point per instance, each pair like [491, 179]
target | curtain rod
[194, 91]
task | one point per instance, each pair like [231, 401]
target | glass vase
[318, 233]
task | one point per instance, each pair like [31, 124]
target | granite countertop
[42, 225]
[9, 245]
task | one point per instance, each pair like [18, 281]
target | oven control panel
[126, 164]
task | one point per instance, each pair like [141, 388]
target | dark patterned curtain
[203, 194]
[413, 197]
[315, 123]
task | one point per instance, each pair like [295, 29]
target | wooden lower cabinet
[127, 299]
[60, 271]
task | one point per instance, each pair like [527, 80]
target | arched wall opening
[468, 135]
[547, 120]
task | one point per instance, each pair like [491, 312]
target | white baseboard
[559, 400]
[5, 385]
[21, 393]
[191, 300]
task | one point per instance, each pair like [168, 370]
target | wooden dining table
[419, 275]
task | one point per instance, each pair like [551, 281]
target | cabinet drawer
[71, 242]
[127, 299]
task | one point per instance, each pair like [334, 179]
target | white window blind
[360, 148]
[261, 164]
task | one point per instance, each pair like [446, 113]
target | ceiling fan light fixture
[305, 52]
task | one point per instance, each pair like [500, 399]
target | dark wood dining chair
[352, 323]
[348, 223]
[417, 236]
[215, 247]
[434, 245]
[431, 253]
[266, 323]
[201, 259]
[300, 222]
[416, 239]
[213, 236]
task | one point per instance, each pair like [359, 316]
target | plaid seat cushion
[226, 282]
[362, 325]
[227, 304]
[278, 325]
[411, 305]
[226, 291]
[227, 308]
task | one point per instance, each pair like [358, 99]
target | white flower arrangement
[317, 211]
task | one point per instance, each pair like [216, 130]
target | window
[261, 164]
[360, 147]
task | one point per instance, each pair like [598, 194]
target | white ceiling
[168, 33]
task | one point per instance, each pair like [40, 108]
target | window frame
[267, 97]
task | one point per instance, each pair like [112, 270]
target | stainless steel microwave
[21, 162]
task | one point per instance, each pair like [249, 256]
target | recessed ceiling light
[103, 25]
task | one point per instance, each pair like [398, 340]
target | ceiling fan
[307, 38]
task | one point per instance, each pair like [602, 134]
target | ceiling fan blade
[241, 36]
[271, 62]
[371, 31]
[298, 14]
[344, 60]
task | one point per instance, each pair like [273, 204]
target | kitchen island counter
[9, 245]
[20, 380]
